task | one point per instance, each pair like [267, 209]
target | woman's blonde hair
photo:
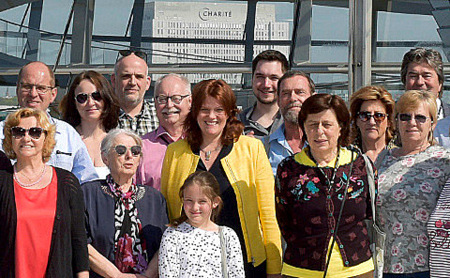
[14, 119]
[411, 100]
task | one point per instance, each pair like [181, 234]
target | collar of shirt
[250, 112]
[278, 135]
[145, 113]
[162, 133]
[53, 122]
[440, 110]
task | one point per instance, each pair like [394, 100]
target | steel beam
[34, 36]
[136, 26]
[360, 44]
[249, 38]
[301, 35]
[83, 22]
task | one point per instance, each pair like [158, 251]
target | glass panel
[330, 33]
[401, 27]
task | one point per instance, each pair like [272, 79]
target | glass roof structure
[343, 44]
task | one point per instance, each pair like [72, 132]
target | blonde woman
[41, 207]
[411, 178]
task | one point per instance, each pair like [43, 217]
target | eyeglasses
[140, 54]
[40, 89]
[366, 115]
[177, 99]
[121, 150]
[404, 117]
[83, 97]
[35, 132]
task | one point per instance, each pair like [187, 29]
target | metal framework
[362, 43]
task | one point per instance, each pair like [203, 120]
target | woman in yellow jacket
[214, 143]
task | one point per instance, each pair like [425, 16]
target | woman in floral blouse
[311, 187]
[411, 178]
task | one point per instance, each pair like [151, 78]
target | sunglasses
[35, 132]
[140, 54]
[121, 150]
[404, 117]
[377, 116]
[83, 97]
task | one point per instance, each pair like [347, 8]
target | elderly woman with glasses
[372, 116]
[91, 107]
[41, 207]
[125, 220]
[411, 178]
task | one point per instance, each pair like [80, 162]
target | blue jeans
[425, 274]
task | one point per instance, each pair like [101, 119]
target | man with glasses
[294, 87]
[173, 102]
[36, 89]
[263, 118]
[130, 81]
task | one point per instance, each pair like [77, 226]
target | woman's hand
[83, 274]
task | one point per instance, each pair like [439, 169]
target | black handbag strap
[339, 219]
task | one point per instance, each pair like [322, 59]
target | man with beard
[173, 102]
[294, 87]
[130, 81]
[263, 117]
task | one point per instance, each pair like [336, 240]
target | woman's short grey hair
[107, 142]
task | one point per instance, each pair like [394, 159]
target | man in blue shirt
[36, 89]
[294, 87]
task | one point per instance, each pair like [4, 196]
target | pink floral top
[409, 187]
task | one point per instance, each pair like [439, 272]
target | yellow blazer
[249, 172]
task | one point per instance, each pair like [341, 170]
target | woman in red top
[41, 207]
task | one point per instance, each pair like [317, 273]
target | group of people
[189, 186]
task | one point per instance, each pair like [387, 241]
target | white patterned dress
[439, 235]
[409, 187]
[187, 251]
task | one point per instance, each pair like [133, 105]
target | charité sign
[207, 14]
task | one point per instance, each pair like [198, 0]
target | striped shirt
[144, 122]
[439, 235]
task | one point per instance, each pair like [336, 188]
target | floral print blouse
[409, 187]
[308, 209]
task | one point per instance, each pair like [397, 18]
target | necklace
[16, 177]
[330, 182]
[208, 153]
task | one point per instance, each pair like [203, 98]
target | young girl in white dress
[193, 245]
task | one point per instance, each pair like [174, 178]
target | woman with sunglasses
[91, 107]
[411, 178]
[214, 143]
[41, 207]
[125, 220]
[372, 117]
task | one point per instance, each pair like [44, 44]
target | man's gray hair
[107, 142]
[183, 79]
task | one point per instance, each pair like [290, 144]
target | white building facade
[199, 20]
